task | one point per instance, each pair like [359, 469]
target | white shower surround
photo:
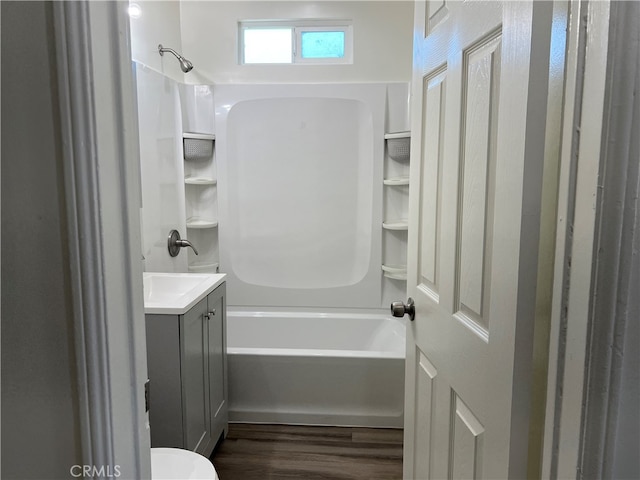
[301, 209]
[316, 368]
[300, 197]
[161, 170]
[295, 356]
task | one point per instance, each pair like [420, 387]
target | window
[267, 45]
[321, 44]
[295, 42]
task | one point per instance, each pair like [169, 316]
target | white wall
[383, 36]
[159, 22]
[38, 364]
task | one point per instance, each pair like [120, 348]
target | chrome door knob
[399, 309]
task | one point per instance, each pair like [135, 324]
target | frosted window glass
[322, 44]
[268, 45]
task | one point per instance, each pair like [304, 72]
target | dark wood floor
[274, 452]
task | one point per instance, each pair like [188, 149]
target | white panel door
[478, 118]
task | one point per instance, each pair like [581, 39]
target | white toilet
[178, 464]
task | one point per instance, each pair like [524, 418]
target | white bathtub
[316, 368]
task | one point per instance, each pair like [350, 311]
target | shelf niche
[200, 179]
[396, 211]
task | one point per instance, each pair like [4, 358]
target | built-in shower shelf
[393, 135]
[199, 136]
[197, 222]
[204, 267]
[197, 180]
[396, 272]
[197, 147]
[398, 145]
[404, 180]
[395, 269]
[396, 276]
[396, 225]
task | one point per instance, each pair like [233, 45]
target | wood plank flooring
[288, 452]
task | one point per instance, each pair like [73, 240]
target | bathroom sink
[176, 293]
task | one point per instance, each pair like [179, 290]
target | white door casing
[592, 264]
[102, 200]
[479, 91]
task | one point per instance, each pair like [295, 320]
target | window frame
[298, 27]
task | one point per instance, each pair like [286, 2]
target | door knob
[399, 309]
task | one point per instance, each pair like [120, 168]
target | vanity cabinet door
[217, 363]
[194, 371]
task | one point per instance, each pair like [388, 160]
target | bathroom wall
[383, 38]
[158, 22]
[38, 365]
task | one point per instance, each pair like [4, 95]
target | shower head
[185, 65]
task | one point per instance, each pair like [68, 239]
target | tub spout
[186, 243]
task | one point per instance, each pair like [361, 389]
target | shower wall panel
[160, 131]
[300, 196]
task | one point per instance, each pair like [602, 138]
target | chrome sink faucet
[175, 243]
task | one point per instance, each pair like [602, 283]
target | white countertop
[176, 293]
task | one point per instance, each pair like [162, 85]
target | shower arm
[185, 65]
[162, 49]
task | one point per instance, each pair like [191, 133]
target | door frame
[591, 88]
[96, 92]
[102, 199]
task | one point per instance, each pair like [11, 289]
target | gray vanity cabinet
[187, 371]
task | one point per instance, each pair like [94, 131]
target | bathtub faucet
[175, 243]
